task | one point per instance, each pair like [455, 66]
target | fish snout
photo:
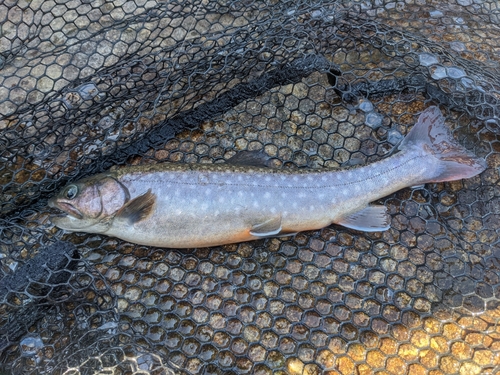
[52, 202]
[65, 208]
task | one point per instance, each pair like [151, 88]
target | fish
[190, 205]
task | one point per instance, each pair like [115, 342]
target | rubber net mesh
[85, 85]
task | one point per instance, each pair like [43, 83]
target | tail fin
[431, 134]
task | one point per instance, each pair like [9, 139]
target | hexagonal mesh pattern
[87, 85]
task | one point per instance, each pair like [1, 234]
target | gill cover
[114, 195]
[98, 198]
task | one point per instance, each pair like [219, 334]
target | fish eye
[71, 192]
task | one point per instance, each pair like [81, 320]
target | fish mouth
[65, 209]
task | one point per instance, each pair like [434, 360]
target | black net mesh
[85, 85]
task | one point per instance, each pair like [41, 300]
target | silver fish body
[200, 205]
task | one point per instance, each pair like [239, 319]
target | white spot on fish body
[273, 210]
[267, 179]
[294, 205]
[324, 178]
[345, 192]
[295, 178]
[302, 195]
[311, 208]
[203, 179]
[255, 204]
[357, 188]
[267, 195]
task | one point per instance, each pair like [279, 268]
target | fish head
[89, 205]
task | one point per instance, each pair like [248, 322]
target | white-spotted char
[199, 205]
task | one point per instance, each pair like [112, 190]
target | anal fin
[370, 219]
[138, 208]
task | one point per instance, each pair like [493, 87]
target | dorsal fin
[251, 158]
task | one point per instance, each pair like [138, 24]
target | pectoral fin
[138, 208]
[267, 228]
[369, 219]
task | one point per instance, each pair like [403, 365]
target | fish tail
[451, 161]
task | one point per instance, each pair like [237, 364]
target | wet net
[85, 85]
